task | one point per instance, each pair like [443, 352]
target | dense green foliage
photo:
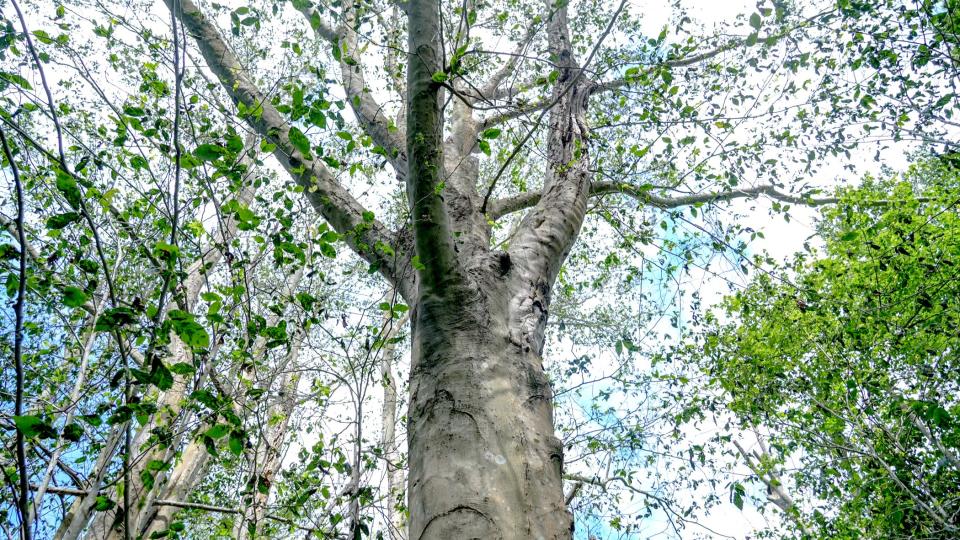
[847, 363]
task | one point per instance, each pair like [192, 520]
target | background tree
[845, 363]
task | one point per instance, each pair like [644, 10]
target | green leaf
[328, 250]
[43, 37]
[184, 325]
[439, 77]
[207, 398]
[138, 163]
[183, 368]
[74, 296]
[237, 442]
[15, 79]
[218, 431]
[317, 118]
[755, 21]
[60, 221]
[157, 465]
[490, 133]
[89, 266]
[209, 152]
[68, 187]
[33, 426]
[8, 252]
[103, 503]
[300, 141]
[737, 492]
[166, 251]
[234, 144]
[72, 432]
[161, 377]
[246, 219]
[148, 480]
[484, 146]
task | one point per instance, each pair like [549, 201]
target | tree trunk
[193, 465]
[269, 452]
[388, 413]
[484, 461]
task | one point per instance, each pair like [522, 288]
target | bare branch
[502, 207]
[180, 504]
[665, 504]
[673, 63]
[518, 111]
[707, 55]
[491, 89]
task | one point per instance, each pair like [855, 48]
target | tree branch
[431, 225]
[491, 89]
[370, 113]
[776, 493]
[614, 84]
[59, 490]
[337, 206]
[23, 499]
[502, 207]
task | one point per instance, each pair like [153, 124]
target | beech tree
[192, 173]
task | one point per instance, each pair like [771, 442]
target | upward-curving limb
[368, 111]
[550, 229]
[334, 202]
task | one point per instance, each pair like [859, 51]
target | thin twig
[23, 506]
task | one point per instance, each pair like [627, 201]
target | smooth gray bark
[484, 460]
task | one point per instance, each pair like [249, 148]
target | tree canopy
[370, 268]
[844, 363]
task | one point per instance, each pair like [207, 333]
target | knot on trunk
[503, 263]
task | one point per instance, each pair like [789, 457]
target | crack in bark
[454, 510]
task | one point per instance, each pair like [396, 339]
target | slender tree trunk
[89, 336]
[194, 462]
[76, 519]
[195, 459]
[102, 525]
[388, 414]
[269, 453]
